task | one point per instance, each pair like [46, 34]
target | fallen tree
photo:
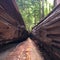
[12, 26]
[45, 36]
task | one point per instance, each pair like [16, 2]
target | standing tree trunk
[55, 3]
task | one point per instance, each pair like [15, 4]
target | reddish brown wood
[46, 34]
[25, 51]
[11, 23]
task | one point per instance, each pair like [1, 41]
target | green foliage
[33, 10]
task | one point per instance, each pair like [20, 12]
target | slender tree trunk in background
[42, 8]
[46, 6]
[55, 3]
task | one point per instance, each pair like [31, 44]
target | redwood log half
[12, 26]
[47, 32]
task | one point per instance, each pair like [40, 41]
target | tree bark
[58, 2]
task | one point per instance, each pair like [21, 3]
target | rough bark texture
[12, 25]
[48, 33]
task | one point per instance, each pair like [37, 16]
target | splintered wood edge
[25, 51]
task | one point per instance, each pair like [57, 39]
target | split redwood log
[12, 25]
[47, 33]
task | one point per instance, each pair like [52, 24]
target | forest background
[33, 11]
